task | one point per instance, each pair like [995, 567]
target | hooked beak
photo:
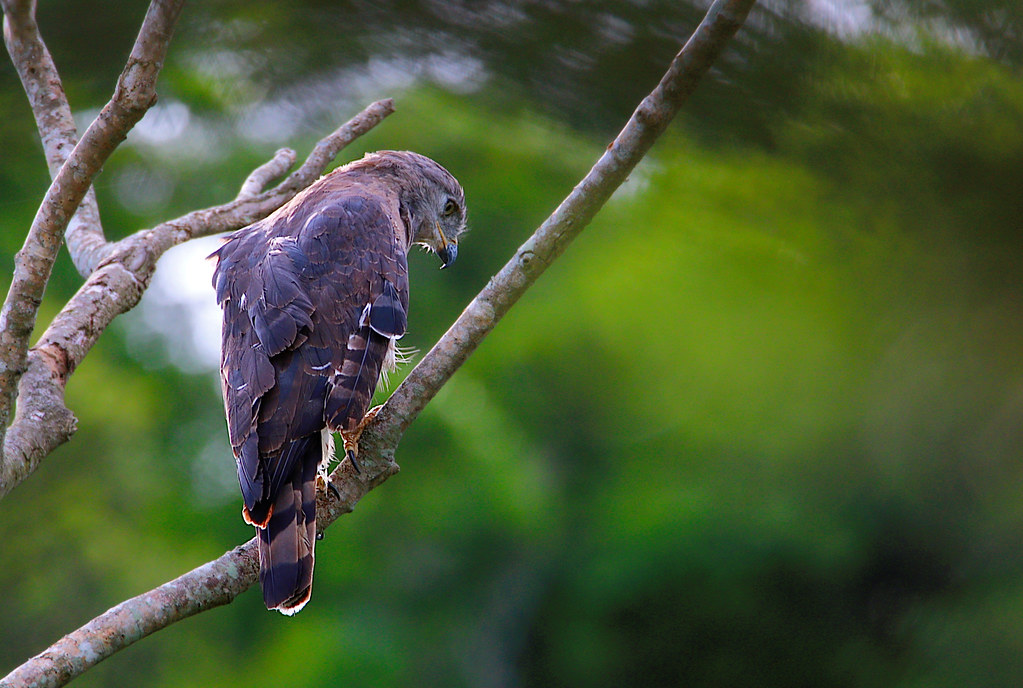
[447, 254]
[448, 250]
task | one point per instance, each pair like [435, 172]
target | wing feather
[293, 288]
[387, 314]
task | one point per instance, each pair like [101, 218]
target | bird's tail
[286, 543]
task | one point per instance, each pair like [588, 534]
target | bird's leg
[351, 438]
[326, 456]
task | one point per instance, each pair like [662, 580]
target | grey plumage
[314, 296]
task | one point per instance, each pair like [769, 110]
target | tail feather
[286, 544]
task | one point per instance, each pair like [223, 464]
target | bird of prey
[314, 298]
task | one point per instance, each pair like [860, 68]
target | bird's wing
[374, 310]
[306, 296]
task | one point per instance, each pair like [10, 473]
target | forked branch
[42, 422]
[134, 94]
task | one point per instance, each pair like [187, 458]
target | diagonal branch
[42, 422]
[647, 123]
[134, 94]
[220, 581]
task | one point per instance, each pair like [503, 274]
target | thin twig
[243, 211]
[281, 162]
[234, 572]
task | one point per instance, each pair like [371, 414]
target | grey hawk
[314, 298]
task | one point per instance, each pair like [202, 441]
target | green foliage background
[761, 425]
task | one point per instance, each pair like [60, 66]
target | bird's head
[432, 202]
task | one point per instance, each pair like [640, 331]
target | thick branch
[52, 113]
[116, 286]
[134, 94]
[234, 572]
[211, 585]
[206, 587]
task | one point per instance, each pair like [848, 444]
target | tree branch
[42, 422]
[261, 176]
[220, 581]
[647, 123]
[52, 113]
[134, 94]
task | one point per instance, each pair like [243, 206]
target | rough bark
[218, 582]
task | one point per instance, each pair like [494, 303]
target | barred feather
[287, 543]
[352, 388]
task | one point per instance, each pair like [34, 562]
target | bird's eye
[450, 208]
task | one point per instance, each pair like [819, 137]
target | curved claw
[355, 464]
